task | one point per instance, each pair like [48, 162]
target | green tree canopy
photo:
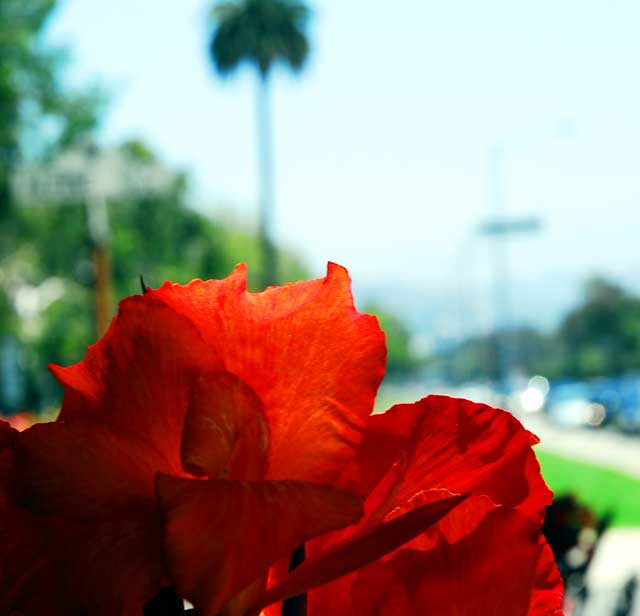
[261, 33]
[401, 361]
[160, 238]
[37, 113]
[602, 335]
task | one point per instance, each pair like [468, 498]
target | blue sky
[381, 145]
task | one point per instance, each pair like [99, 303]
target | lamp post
[499, 227]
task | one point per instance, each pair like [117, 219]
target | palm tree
[262, 33]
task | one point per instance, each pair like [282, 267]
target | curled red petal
[225, 432]
[312, 359]
[488, 573]
[439, 443]
[454, 444]
[359, 550]
[223, 535]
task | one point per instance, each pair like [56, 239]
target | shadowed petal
[358, 550]
[84, 512]
[109, 566]
[223, 535]
[84, 470]
[454, 444]
[225, 432]
[480, 575]
[23, 559]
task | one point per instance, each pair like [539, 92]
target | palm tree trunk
[265, 184]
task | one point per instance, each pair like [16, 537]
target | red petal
[358, 551]
[138, 377]
[440, 442]
[456, 445]
[223, 535]
[549, 587]
[23, 563]
[225, 432]
[87, 494]
[488, 573]
[312, 359]
[7, 435]
[58, 566]
[84, 470]
[112, 565]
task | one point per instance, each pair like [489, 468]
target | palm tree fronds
[260, 32]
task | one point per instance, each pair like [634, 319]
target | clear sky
[381, 144]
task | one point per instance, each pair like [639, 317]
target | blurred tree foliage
[37, 113]
[474, 358]
[158, 237]
[602, 335]
[46, 268]
[599, 337]
[401, 361]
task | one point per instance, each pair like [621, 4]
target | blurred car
[607, 391]
[575, 404]
[628, 414]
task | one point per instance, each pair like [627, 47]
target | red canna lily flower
[212, 431]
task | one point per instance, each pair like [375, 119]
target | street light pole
[499, 227]
[499, 258]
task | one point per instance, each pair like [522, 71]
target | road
[603, 447]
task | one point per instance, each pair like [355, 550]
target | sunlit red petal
[225, 432]
[138, 377]
[222, 535]
[312, 359]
